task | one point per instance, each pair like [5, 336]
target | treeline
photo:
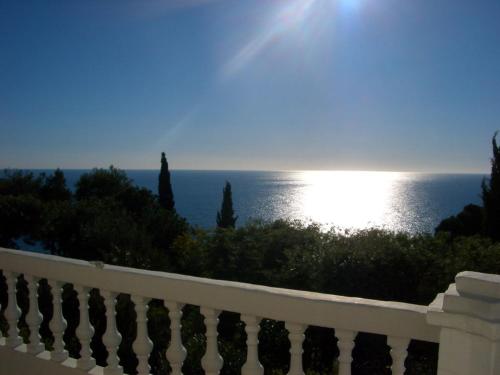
[108, 218]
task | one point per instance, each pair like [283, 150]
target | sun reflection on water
[347, 199]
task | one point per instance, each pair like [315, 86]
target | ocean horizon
[413, 202]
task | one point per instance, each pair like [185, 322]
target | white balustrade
[33, 318]
[142, 345]
[176, 352]
[84, 331]
[345, 344]
[296, 337]
[112, 337]
[252, 365]
[399, 322]
[13, 312]
[399, 346]
[212, 361]
[57, 324]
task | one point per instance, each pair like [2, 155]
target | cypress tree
[165, 193]
[225, 217]
[491, 195]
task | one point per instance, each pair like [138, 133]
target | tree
[101, 183]
[112, 220]
[165, 193]
[54, 187]
[18, 182]
[20, 219]
[491, 195]
[225, 217]
[20, 208]
[469, 222]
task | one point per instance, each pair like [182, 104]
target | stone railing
[466, 314]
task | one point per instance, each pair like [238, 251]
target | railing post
[469, 317]
[296, 337]
[211, 362]
[112, 337]
[252, 365]
[85, 331]
[58, 324]
[34, 318]
[142, 345]
[13, 312]
[345, 344]
[176, 352]
[399, 352]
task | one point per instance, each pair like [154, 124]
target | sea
[344, 200]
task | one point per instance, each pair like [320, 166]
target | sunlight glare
[359, 199]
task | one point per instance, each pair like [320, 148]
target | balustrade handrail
[347, 313]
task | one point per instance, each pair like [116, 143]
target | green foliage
[225, 217]
[165, 194]
[110, 218]
[114, 221]
[369, 263]
[469, 222]
[24, 200]
[54, 188]
[20, 218]
[102, 183]
[16, 183]
[97, 229]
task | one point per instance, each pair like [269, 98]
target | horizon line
[252, 170]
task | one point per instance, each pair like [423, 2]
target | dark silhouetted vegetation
[491, 196]
[468, 222]
[474, 219]
[165, 193]
[225, 217]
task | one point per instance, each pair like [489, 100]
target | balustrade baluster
[142, 345]
[176, 352]
[345, 344]
[252, 365]
[84, 331]
[112, 337]
[296, 337]
[12, 313]
[33, 318]
[212, 362]
[399, 346]
[57, 325]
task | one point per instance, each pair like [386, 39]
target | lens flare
[293, 15]
[308, 18]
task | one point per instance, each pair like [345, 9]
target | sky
[404, 85]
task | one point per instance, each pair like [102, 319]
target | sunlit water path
[411, 202]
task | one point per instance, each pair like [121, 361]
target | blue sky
[250, 84]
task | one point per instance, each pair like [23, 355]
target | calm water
[410, 202]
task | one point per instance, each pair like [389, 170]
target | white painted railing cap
[478, 285]
[471, 305]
